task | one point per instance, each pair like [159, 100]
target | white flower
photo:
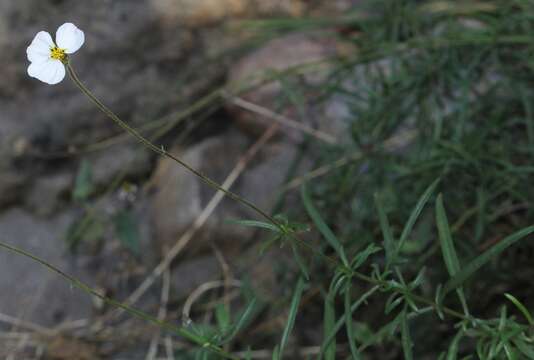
[47, 58]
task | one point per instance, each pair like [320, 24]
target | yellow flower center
[58, 54]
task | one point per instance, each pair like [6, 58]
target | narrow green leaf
[349, 324]
[321, 225]
[485, 257]
[416, 212]
[276, 353]
[447, 248]
[526, 349]
[83, 185]
[223, 317]
[255, 223]
[392, 303]
[385, 332]
[331, 335]
[329, 328]
[293, 310]
[406, 338]
[88, 229]
[521, 307]
[242, 320]
[360, 258]
[452, 352]
[438, 299]
[389, 242]
[127, 230]
[300, 262]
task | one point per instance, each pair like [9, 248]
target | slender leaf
[293, 310]
[223, 317]
[389, 242]
[521, 307]
[406, 338]
[349, 324]
[321, 225]
[416, 212]
[255, 223]
[83, 186]
[526, 349]
[127, 230]
[485, 257]
[452, 352]
[276, 353]
[300, 262]
[242, 320]
[329, 328]
[360, 258]
[447, 248]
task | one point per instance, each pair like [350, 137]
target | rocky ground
[65, 186]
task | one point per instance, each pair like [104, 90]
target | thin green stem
[161, 150]
[133, 311]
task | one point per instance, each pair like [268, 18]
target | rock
[129, 61]
[49, 192]
[130, 161]
[196, 13]
[278, 55]
[189, 274]
[179, 196]
[27, 289]
[12, 186]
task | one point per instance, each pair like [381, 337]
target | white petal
[39, 49]
[69, 37]
[50, 72]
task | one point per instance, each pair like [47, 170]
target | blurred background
[355, 98]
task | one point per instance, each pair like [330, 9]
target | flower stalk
[161, 150]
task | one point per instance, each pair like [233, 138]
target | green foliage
[127, 230]
[293, 310]
[438, 98]
[83, 186]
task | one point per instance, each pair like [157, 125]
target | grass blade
[452, 352]
[255, 223]
[321, 225]
[389, 242]
[416, 212]
[521, 307]
[406, 338]
[339, 324]
[242, 321]
[329, 327]
[293, 310]
[300, 262]
[459, 278]
[348, 324]
[447, 248]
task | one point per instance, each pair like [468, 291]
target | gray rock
[49, 192]
[278, 55]
[179, 197]
[27, 289]
[187, 275]
[129, 61]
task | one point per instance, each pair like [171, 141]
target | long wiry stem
[161, 151]
[133, 311]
